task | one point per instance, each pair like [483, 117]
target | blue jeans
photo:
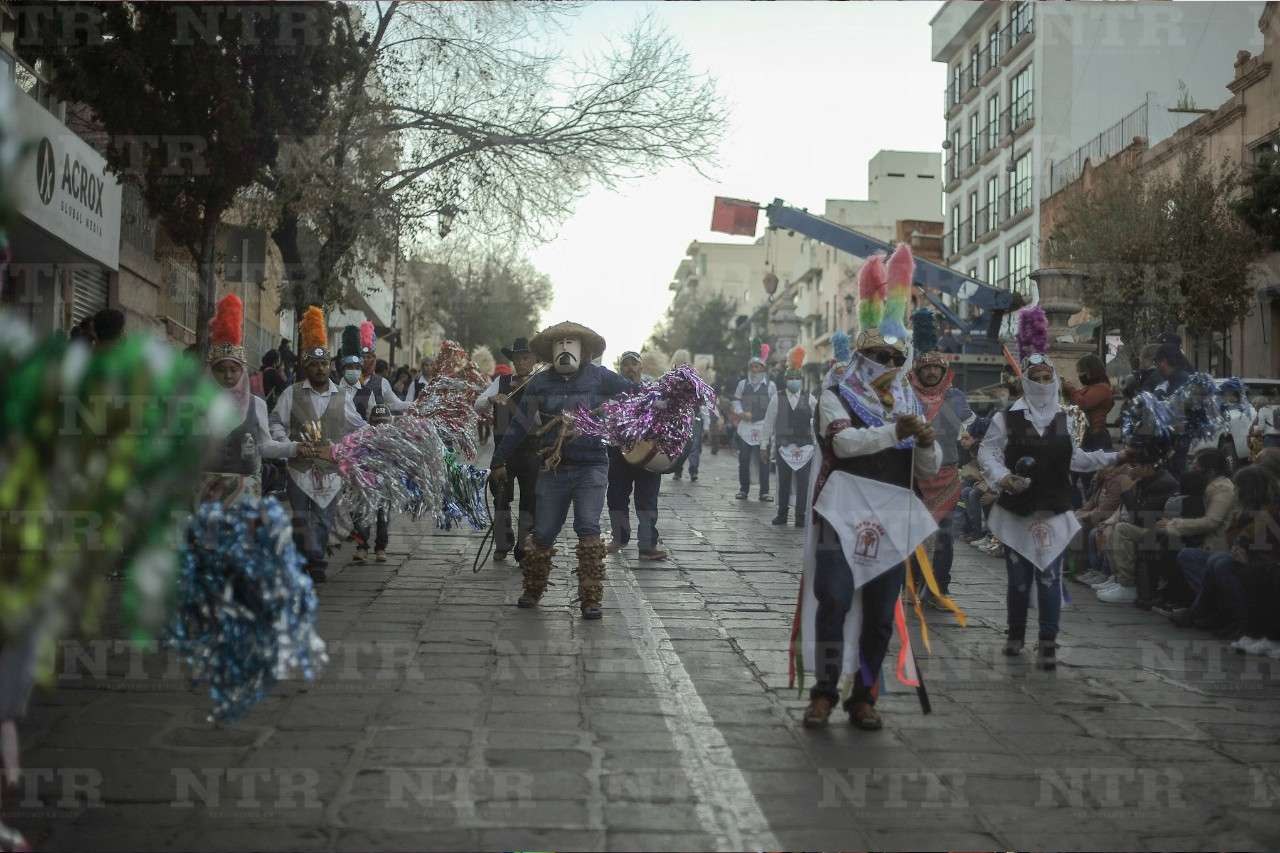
[623, 478]
[1048, 592]
[583, 486]
[1197, 564]
[311, 526]
[695, 449]
[380, 538]
[833, 587]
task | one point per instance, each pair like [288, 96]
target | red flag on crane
[735, 216]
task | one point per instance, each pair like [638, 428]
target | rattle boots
[536, 566]
[591, 553]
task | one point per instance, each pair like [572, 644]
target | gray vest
[333, 424]
[946, 424]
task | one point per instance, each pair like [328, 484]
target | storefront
[66, 238]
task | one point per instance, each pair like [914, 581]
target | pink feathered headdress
[367, 338]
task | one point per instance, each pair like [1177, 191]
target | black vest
[755, 403]
[361, 396]
[793, 424]
[892, 466]
[240, 452]
[1051, 481]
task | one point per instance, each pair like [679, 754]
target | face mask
[1084, 380]
[566, 355]
[793, 385]
[755, 378]
[352, 376]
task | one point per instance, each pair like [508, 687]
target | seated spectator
[1258, 549]
[1210, 528]
[1109, 486]
[1251, 548]
[1158, 572]
[1152, 488]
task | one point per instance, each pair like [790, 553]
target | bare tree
[462, 117]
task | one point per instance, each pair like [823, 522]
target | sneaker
[653, 554]
[380, 556]
[693, 478]
[1047, 654]
[1104, 583]
[984, 542]
[676, 476]
[1183, 617]
[613, 547]
[1089, 577]
[362, 554]
[498, 556]
[742, 496]
[1163, 608]
[766, 499]
[817, 714]
[1118, 594]
[936, 604]
[778, 519]
[864, 716]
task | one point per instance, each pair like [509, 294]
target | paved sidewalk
[449, 719]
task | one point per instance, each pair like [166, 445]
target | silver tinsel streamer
[1196, 409]
[246, 611]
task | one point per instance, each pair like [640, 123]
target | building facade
[1035, 88]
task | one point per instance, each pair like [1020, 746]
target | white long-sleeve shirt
[864, 441]
[991, 451]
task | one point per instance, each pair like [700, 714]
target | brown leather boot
[536, 567]
[590, 572]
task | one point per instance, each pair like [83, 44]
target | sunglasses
[884, 356]
[1038, 358]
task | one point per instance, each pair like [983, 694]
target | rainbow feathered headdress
[226, 331]
[884, 289]
[315, 340]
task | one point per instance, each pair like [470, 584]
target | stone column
[784, 326]
[1060, 294]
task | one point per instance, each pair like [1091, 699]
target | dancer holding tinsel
[947, 411]
[576, 471]
[865, 520]
[789, 429]
[1029, 453]
[316, 413]
[501, 399]
[625, 478]
[235, 472]
[371, 388]
[750, 403]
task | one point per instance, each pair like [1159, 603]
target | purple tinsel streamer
[662, 413]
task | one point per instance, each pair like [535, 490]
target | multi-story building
[1031, 88]
[1243, 130]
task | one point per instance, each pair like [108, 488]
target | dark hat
[521, 345]
[379, 412]
[1166, 338]
[1169, 352]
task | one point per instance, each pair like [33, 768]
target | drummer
[625, 477]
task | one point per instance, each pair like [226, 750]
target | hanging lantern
[770, 283]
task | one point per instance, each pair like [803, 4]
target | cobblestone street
[448, 719]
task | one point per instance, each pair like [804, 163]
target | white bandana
[1041, 401]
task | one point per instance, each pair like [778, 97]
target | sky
[815, 90]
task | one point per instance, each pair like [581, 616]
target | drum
[646, 455]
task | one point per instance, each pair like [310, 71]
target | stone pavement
[448, 719]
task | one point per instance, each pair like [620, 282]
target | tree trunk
[285, 236]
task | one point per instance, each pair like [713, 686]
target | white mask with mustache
[566, 355]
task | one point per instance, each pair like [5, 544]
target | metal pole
[244, 280]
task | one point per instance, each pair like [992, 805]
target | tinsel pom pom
[661, 413]
[246, 614]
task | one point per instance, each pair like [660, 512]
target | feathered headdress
[840, 348]
[900, 270]
[368, 340]
[795, 361]
[315, 340]
[484, 360]
[924, 338]
[349, 348]
[759, 350]
[226, 331]
[872, 286]
[1033, 336]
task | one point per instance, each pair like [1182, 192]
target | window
[993, 269]
[971, 234]
[975, 137]
[1020, 98]
[1021, 21]
[182, 295]
[953, 162]
[955, 229]
[702, 261]
[974, 73]
[993, 121]
[993, 203]
[1020, 185]
[993, 46]
[1020, 266]
[955, 85]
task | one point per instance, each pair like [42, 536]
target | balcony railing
[1105, 145]
[257, 340]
